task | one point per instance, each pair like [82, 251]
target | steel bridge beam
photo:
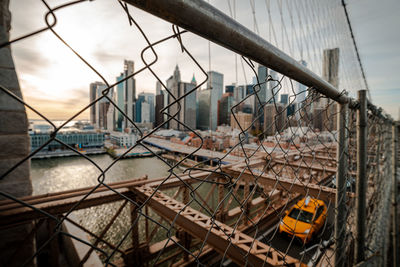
[239, 247]
[288, 184]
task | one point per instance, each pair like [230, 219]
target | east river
[59, 174]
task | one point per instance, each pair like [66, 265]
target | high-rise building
[275, 118]
[188, 111]
[125, 96]
[145, 112]
[324, 111]
[229, 88]
[301, 91]
[262, 77]
[215, 82]
[203, 109]
[143, 108]
[185, 112]
[224, 109]
[244, 120]
[159, 117]
[93, 97]
[173, 87]
[284, 99]
[158, 88]
[149, 98]
[98, 111]
[239, 93]
[273, 87]
[110, 118]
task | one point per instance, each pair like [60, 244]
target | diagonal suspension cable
[356, 49]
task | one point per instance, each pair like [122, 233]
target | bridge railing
[319, 144]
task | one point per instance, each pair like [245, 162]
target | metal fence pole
[340, 220]
[395, 226]
[362, 122]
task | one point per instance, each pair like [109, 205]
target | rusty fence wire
[282, 192]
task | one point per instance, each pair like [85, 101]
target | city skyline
[61, 100]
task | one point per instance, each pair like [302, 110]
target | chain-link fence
[282, 191]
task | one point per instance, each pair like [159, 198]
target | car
[304, 220]
[350, 184]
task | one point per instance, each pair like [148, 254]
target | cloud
[101, 33]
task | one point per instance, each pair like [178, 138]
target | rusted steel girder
[238, 246]
[286, 184]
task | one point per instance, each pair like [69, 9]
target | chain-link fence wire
[379, 185]
[295, 146]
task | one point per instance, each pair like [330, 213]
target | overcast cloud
[55, 81]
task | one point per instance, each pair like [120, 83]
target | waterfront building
[123, 139]
[77, 139]
[224, 109]
[275, 119]
[125, 96]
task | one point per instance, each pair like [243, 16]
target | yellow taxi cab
[305, 219]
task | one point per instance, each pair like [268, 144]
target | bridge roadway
[184, 149]
[239, 247]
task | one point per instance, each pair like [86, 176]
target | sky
[56, 81]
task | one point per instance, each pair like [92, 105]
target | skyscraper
[98, 111]
[173, 87]
[216, 84]
[188, 112]
[284, 99]
[185, 112]
[159, 117]
[149, 98]
[229, 88]
[262, 90]
[203, 109]
[125, 96]
[224, 109]
[273, 87]
[301, 91]
[275, 119]
[238, 93]
[93, 97]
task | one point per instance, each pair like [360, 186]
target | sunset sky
[56, 82]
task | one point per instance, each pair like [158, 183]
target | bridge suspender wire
[356, 49]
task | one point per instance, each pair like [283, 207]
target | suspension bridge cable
[356, 49]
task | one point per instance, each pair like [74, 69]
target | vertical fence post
[361, 176]
[395, 226]
[340, 202]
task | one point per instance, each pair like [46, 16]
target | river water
[59, 174]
